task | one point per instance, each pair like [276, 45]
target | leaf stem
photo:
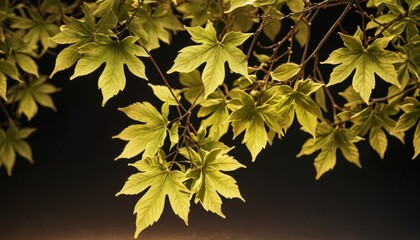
[382, 99]
[165, 81]
[259, 30]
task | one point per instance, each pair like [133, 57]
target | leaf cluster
[251, 70]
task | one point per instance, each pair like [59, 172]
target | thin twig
[330, 31]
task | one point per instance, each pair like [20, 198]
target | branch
[330, 31]
[165, 81]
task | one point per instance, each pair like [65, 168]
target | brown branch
[330, 31]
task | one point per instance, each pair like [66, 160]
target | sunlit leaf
[208, 181]
[328, 140]
[214, 53]
[147, 137]
[366, 62]
[160, 181]
[115, 54]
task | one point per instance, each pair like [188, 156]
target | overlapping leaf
[151, 26]
[375, 121]
[365, 61]
[115, 54]
[409, 119]
[39, 29]
[147, 137]
[20, 53]
[215, 110]
[298, 100]
[328, 140]
[208, 182]
[7, 69]
[79, 32]
[214, 53]
[12, 142]
[251, 117]
[198, 11]
[160, 181]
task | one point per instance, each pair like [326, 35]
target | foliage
[275, 71]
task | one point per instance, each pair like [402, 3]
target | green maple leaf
[214, 53]
[78, 32]
[7, 69]
[12, 142]
[285, 71]
[365, 61]
[115, 54]
[298, 101]
[234, 4]
[36, 90]
[328, 140]
[375, 121]
[165, 95]
[251, 117]
[19, 53]
[160, 181]
[243, 19]
[39, 29]
[196, 10]
[409, 119]
[147, 137]
[215, 110]
[208, 182]
[151, 26]
[193, 90]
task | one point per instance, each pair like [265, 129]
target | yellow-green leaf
[161, 182]
[208, 181]
[285, 71]
[115, 54]
[29, 94]
[366, 62]
[147, 137]
[214, 53]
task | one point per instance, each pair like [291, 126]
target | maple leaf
[193, 90]
[7, 69]
[207, 179]
[151, 26]
[234, 4]
[79, 32]
[165, 95]
[196, 10]
[147, 137]
[375, 121]
[285, 71]
[19, 53]
[365, 61]
[36, 90]
[298, 100]
[39, 29]
[215, 109]
[328, 140]
[214, 53]
[160, 181]
[251, 117]
[11, 142]
[409, 119]
[115, 54]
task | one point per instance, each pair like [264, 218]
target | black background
[69, 193]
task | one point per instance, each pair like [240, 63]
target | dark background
[69, 193]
